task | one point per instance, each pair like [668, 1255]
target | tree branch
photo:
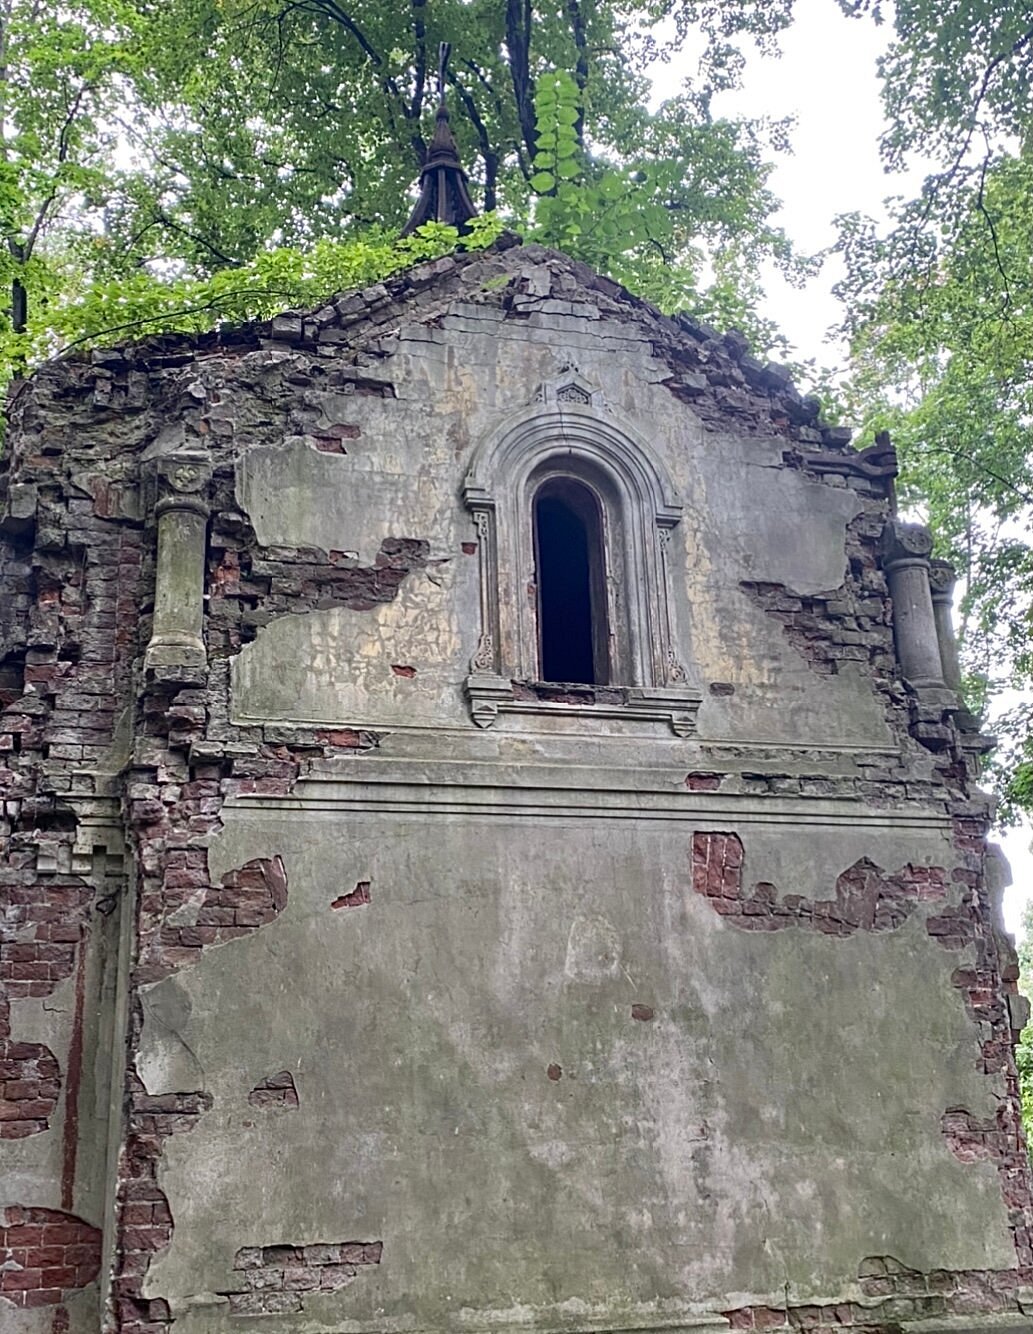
[419, 29]
[335, 12]
[213, 304]
[518, 43]
[163, 220]
[1025, 496]
[388, 83]
[491, 158]
[63, 146]
[577, 28]
[981, 205]
[946, 177]
[485, 83]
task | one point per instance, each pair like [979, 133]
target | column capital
[942, 579]
[905, 543]
[181, 481]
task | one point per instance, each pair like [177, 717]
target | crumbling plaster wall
[476, 1089]
[70, 560]
[456, 385]
[569, 1020]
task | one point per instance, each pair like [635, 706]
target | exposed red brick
[867, 899]
[346, 738]
[554, 1072]
[642, 1012]
[284, 580]
[45, 1253]
[83, 593]
[43, 921]
[972, 1138]
[244, 900]
[144, 1218]
[1000, 1138]
[275, 1279]
[275, 1091]
[75, 598]
[172, 807]
[403, 669]
[359, 896]
[703, 782]
[30, 1082]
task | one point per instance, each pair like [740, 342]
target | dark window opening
[572, 630]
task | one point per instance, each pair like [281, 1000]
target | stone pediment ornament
[571, 388]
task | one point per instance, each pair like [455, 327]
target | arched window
[570, 574]
[573, 516]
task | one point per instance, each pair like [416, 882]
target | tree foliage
[295, 118]
[940, 314]
[167, 165]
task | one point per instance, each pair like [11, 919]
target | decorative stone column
[177, 642]
[905, 558]
[942, 578]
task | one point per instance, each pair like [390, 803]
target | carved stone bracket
[486, 694]
[176, 650]
[975, 746]
[490, 696]
[877, 462]
[98, 853]
[679, 705]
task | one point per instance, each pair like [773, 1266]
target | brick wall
[77, 557]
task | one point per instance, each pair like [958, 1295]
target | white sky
[826, 78]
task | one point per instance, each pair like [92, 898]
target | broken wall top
[727, 387]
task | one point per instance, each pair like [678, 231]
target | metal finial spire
[444, 51]
[444, 192]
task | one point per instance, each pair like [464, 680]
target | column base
[175, 663]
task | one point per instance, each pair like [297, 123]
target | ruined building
[491, 844]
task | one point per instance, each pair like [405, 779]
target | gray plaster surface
[327, 666]
[775, 1122]
[745, 517]
[32, 1166]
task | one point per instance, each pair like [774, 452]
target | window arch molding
[640, 507]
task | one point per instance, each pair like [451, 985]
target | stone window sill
[489, 696]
